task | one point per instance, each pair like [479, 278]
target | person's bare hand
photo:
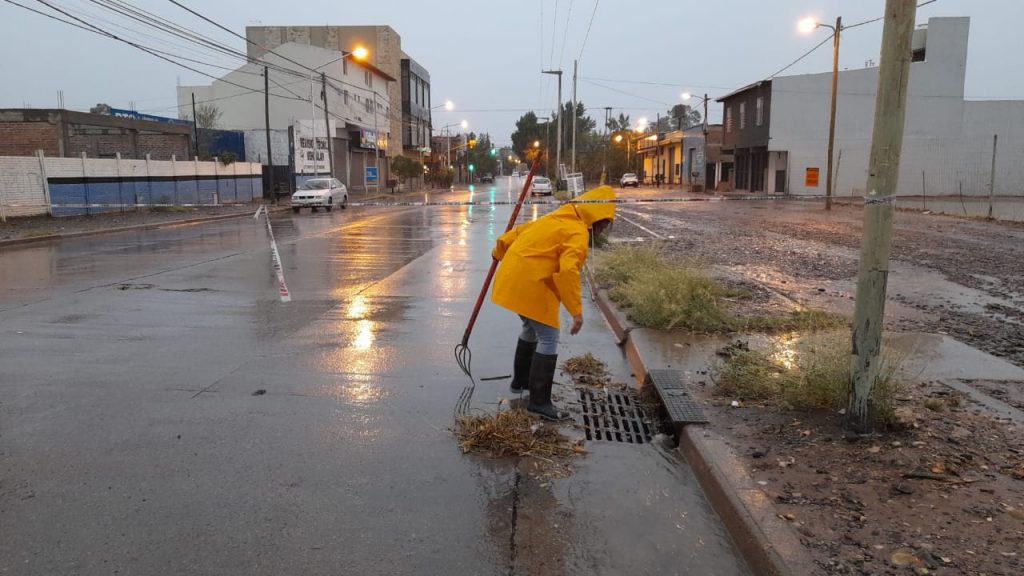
[577, 323]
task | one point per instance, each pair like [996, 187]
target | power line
[659, 102]
[654, 83]
[554, 30]
[565, 34]
[587, 36]
[805, 55]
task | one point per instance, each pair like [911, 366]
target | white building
[947, 145]
[358, 96]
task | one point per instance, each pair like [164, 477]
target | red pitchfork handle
[494, 263]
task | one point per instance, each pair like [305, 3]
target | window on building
[345, 95]
[759, 113]
[344, 66]
[743, 115]
[728, 118]
[369, 105]
[368, 78]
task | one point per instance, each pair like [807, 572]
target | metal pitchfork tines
[463, 355]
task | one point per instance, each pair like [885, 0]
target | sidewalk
[33, 229]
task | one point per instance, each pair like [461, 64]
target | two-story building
[690, 158]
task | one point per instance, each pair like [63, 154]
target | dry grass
[586, 370]
[812, 373]
[512, 433]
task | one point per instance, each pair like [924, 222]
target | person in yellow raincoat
[539, 271]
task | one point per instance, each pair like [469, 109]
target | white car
[540, 185]
[323, 193]
[629, 179]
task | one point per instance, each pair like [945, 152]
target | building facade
[358, 111]
[382, 42]
[690, 159]
[65, 133]
[415, 108]
[949, 143]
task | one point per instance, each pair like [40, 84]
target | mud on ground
[944, 493]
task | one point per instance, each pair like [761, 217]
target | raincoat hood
[591, 213]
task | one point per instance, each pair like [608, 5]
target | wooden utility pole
[266, 115]
[832, 113]
[883, 175]
[327, 122]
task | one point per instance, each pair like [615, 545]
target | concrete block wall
[120, 184]
[21, 187]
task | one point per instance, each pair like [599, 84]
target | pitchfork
[463, 356]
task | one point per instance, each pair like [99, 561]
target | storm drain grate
[613, 416]
[681, 407]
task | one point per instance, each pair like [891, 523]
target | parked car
[540, 185]
[323, 193]
[629, 179]
[488, 177]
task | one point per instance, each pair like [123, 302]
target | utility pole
[832, 113]
[883, 176]
[558, 138]
[573, 161]
[327, 122]
[607, 144]
[266, 115]
[195, 126]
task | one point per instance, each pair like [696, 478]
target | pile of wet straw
[512, 433]
[586, 370]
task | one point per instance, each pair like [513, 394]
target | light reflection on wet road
[163, 412]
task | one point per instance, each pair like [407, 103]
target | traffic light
[472, 168]
[494, 152]
[472, 143]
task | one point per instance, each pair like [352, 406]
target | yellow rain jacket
[541, 260]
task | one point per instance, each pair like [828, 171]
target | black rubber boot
[521, 366]
[542, 377]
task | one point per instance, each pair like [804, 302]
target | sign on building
[371, 175]
[309, 147]
[120, 113]
[811, 178]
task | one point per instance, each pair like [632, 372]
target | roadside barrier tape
[406, 203]
[282, 288]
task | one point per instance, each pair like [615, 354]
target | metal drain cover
[613, 416]
[681, 407]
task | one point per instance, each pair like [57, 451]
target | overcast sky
[486, 56]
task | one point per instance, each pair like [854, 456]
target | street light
[686, 96]
[807, 25]
[448, 155]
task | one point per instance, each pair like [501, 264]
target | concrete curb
[151, 226]
[769, 544]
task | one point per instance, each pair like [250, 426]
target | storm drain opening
[613, 416]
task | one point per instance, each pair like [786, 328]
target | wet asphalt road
[162, 412]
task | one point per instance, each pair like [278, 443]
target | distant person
[539, 272]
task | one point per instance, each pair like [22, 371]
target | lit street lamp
[807, 25]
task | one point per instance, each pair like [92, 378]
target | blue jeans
[545, 336]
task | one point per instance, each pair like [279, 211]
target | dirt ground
[944, 492]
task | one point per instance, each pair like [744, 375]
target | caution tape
[423, 203]
[282, 288]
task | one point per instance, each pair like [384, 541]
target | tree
[406, 168]
[687, 114]
[480, 155]
[207, 120]
[101, 108]
[528, 130]
[617, 124]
